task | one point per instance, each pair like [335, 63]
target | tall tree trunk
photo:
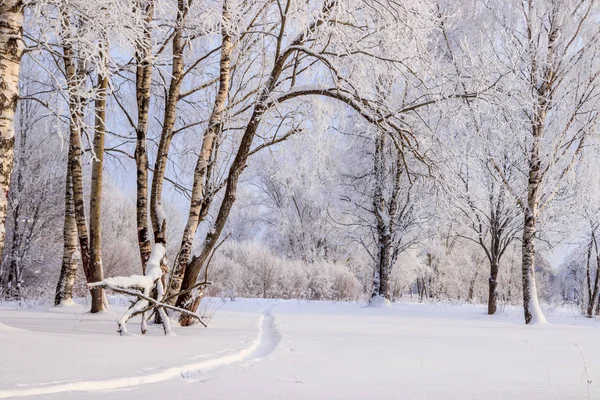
[382, 220]
[75, 81]
[531, 307]
[595, 294]
[236, 168]
[14, 281]
[471, 293]
[68, 269]
[14, 275]
[493, 285]
[239, 162]
[97, 272]
[11, 49]
[588, 274]
[541, 92]
[143, 83]
[200, 188]
[381, 275]
[156, 212]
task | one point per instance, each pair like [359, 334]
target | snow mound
[66, 303]
[379, 302]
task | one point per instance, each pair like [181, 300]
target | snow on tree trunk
[11, 49]
[531, 305]
[128, 285]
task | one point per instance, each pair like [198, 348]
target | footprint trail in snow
[267, 340]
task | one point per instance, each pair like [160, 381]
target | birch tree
[560, 53]
[198, 198]
[96, 186]
[143, 81]
[545, 57]
[315, 43]
[82, 32]
[11, 50]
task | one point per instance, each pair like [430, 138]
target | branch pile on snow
[140, 286]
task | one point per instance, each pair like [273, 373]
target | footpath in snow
[257, 349]
[66, 349]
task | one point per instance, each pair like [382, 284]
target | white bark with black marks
[11, 50]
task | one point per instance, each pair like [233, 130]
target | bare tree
[11, 49]
[200, 200]
[96, 187]
[552, 59]
[285, 71]
[143, 76]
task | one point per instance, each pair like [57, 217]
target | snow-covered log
[141, 286]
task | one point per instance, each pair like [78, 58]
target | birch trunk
[541, 92]
[200, 189]
[11, 49]
[75, 80]
[531, 306]
[97, 272]
[142, 85]
[68, 269]
[195, 266]
[156, 212]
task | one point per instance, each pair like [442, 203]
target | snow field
[257, 349]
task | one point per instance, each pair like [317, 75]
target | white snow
[258, 349]
[537, 316]
[153, 272]
[8, 328]
[160, 213]
[277, 96]
[66, 303]
[379, 301]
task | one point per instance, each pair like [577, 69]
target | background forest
[330, 149]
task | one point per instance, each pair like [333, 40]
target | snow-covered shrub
[250, 270]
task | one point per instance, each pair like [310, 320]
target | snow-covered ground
[258, 349]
